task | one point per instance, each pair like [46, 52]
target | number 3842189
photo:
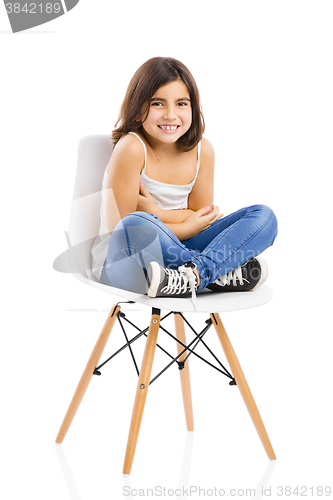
[33, 8]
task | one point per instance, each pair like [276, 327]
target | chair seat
[206, 302]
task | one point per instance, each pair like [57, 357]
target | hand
[201, 219]
[218, 216]
[146, 202]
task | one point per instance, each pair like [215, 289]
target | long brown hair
[152, 75]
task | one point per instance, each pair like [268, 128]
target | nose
[170, 113]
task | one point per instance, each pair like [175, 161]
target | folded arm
[146, 203]
[195, 223]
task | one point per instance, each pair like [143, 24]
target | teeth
[168, 127]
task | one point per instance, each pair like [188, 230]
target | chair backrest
[94, 153]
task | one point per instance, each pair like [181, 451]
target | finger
[218, 217]
[218, 213]
[207, 215]
[143, 190]
[214, 210]
[203, 211]
[214, 218]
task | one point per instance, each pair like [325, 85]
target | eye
[156, 103]
[183, 103]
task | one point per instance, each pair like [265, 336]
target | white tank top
[166, 196]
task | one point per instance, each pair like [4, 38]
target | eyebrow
[161, 99]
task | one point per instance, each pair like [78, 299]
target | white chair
[93, 156]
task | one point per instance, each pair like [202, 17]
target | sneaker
[245, 278]
[165, 282]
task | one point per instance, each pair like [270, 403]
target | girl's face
[170, 113]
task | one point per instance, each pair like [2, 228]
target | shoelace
[179, 281]
[233, 276]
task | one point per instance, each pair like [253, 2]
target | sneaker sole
[264, 273]
[154, 280]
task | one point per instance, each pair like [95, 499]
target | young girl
[172, 239]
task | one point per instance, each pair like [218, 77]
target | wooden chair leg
[242, 385]
[184, 373]
[88, 372]
[141, 391]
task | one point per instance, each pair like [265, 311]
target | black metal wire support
[190, 348]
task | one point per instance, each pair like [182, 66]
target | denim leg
[233, 240]
[228, 243]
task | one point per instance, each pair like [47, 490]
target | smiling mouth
[169, 127]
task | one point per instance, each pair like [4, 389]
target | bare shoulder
[129, 144]
[207, 156]
[128, 152]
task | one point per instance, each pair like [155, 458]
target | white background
[264, 70]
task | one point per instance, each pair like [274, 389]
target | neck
[158, 146]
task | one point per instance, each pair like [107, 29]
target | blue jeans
[140, 238]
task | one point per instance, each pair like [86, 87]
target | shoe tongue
[189, 275]
[192, 266]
